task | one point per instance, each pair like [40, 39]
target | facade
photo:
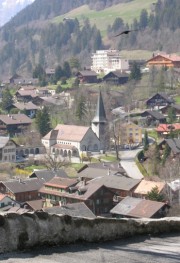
[130, 133]
[7, 150]
[104, 61]
[164, 60]
[28, 108]
[159, 100]
[116, 77]
[87, 76]
[5, 201]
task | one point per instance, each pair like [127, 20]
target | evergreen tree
[7, 99]
[67, 69]
[135, 72]
[171, 115]
[43, 121]
[81, 110]
[38, 72]
[146, 141]
[166, 153]
[58, 73]
[143, 19]
[154, 195]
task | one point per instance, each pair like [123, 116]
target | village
[127, 155]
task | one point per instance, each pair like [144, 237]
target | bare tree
[53, 162]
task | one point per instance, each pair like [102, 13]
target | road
[128, 163]
[164, 249]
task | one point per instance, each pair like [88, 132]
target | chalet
[26, 81]
[96, 196]
[165, 129]
[87, 76]
[152, 117]
[7, 150]
[28, 108]
[145, 187]
[159, 100]
[116, 77]
[14, 123]
[174, 145]
[164, 60]
[14, 78]
[5, 202]
[131, 207]
[174, 107]
[50, 72]
[22, 190]
[74, 210]
[25, 95]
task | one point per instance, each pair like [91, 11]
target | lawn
[107, 16]
[177, 99]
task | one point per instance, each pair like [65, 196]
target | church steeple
[99, 123]
[100, 112]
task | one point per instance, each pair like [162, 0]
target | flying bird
[125, 32]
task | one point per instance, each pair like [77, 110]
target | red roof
[168, 127]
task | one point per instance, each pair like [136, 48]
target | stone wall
[35, 229]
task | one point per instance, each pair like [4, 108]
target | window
[98, 202]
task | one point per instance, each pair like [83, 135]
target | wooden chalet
[87, 76]
[116, 77]
[159, 100]
[164, 60]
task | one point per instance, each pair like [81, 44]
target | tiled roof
[69, 132]
[15, 119]
[168, 127]
[136, 207]
[156, 114]
[74, 210]
[25, 106]
[61, 182]
[23, 93]
[146, 186]
[47, 175]
[27, 185]
[174, 144]
[35, 204]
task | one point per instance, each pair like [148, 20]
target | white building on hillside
[108, 60]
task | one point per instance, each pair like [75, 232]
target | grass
[32, 167]
[107, 16]
[177, 99]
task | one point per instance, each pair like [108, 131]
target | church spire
[100, 116]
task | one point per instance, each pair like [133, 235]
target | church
[72, 141]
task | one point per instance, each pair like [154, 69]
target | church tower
[99, 123]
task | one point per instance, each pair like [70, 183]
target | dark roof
[117, 73]
[137, 207]
[174, 144]
[74, 210]
[27, 185]
[87, 73]
[117, 182]
[155, 114]
[25, 106]
[47, 175]
[100, 111]
[165, 96]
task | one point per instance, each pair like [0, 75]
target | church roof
[100, 111]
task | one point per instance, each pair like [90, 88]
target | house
[72, 140]
[26, 81]
[174, 107]
[166, 129]
[97, 197]
[73, 210]
[33, 205]
[22, 190]
[50, 72]
[87, 76]
[159, 100]
[164, 60]
[14, 123]
[5, 202]
[116, 77]
[131, 207]
[105, 61]
[25, 95]
[130, 133]
[174, 145]
[113, 168]
[28, 108]
[145, 187]
[7, 149]
[152, 117]
[31, 147]
[47, 175]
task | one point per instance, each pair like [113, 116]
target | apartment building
[105, 61]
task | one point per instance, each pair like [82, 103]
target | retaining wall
[35, 229]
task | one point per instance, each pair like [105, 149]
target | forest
[30, 38]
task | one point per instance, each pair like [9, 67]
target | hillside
[49, 33]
